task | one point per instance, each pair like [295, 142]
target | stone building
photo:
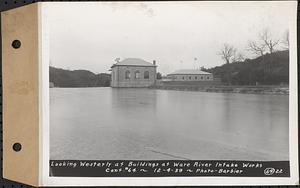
[190, 75]
[133, 72]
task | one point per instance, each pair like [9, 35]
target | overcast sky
[92, 35]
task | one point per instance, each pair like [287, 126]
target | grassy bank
[271, 90]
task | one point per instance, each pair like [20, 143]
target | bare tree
[269, 41]
[286, 40]
[257, 48]
[238, 57]
[227, 52]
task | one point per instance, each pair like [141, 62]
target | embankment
[271, 90]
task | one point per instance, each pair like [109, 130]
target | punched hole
[16, 44]
[17, 147]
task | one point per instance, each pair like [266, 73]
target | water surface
[148, 124]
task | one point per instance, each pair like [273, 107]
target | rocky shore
[270, 90]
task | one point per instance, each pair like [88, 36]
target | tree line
[270, 65]
[265, 43]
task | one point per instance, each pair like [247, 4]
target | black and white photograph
[170, 81]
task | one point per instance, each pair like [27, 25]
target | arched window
[137, 74]
[146, 75]
[127, 74]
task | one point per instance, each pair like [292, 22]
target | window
[207, 77]
[183, 77]
[190, 77]
[146, 75]
[201, 77]
[137, 74]
[127, 74]
[195, 77]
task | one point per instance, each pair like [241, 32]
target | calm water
[106, 123]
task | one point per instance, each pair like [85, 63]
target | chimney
[154, 62]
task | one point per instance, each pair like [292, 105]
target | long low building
[190, 75]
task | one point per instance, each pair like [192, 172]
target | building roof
[134, 62]
[189, 71]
